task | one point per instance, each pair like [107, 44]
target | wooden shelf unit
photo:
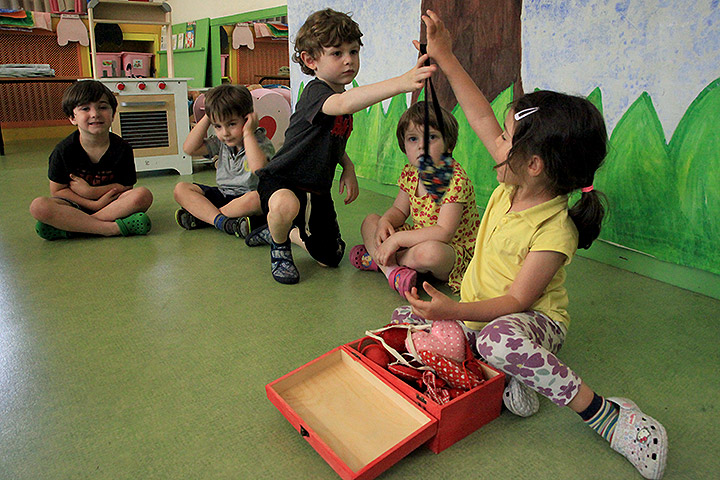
[130, 12]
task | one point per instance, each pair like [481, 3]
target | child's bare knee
[41, 208]
[143, 198]
[180, 190]
[284, 203]
[370, 220]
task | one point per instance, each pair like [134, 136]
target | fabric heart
[445, 338]
[406, 373]
[377, 354]
[435, 388]
[456, 374]
[395, 338]
[436, 177]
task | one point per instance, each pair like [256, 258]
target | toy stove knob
[162, 85]
[120, 86]
[141, 86]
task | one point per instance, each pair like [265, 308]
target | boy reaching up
[295, 186]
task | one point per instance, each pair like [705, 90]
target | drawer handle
[142, 104]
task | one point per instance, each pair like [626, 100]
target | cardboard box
[362, 419]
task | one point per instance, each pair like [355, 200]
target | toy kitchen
[152, 113]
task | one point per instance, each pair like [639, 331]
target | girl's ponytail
[588, 213]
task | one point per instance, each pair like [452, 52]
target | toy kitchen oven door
[152, 116]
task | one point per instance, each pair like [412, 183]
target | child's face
[229, 130]
[93, 118]
[504, 144]
[414, 144]
[336, 66]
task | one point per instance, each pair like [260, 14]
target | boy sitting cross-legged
[92, 173]
[233, 206]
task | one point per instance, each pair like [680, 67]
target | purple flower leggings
[523, 345]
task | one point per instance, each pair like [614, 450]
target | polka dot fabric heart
[456, 374]
[445, 338]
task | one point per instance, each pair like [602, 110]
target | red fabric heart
[377, 354]
[395, 338]
[456, 374]
[406, 373]
[435, 388]
[445, 338]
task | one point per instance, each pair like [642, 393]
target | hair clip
[588, 189]
[524, 113]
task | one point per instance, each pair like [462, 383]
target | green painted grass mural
[664, 198]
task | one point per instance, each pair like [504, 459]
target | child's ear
[72, 119]
[308, 60]
[535, 166]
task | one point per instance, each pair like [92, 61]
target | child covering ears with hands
[513, 302]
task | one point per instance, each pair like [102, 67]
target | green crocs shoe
[135, 224]
[48, 232]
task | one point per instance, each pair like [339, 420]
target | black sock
[593, 408]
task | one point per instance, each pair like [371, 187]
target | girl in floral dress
[441, 237]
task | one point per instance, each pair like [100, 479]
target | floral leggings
[523, 345]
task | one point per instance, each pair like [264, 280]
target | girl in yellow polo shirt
[513, 302]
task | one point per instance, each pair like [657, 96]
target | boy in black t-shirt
[295, 186]
[92, 173]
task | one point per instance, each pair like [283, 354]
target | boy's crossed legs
[121, 216]
[203, 206]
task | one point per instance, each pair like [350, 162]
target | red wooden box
[362, 419]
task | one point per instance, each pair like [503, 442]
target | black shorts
[215, 196]
[316, 221]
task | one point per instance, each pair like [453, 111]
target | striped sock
[601, 415]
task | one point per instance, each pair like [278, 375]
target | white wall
[669, 49]
[188, 10]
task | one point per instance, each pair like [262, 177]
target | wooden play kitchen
[152, 112]
[362, 419]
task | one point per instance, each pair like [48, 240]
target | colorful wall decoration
[652, 67]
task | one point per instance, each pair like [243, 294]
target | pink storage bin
[109, 65]
[136, 64]
[223, 63]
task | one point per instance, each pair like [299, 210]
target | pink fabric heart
[445, 338]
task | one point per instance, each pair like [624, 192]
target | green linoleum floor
[147, 357]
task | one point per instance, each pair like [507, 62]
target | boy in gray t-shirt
[233, 206]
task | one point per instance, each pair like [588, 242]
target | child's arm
[443, 231]
[93, 204]
[537, 271]
[477, 109]
[79, 186]
[348, 180]
[357, 98]
[256, 158]
[393, 218]
[195, 142]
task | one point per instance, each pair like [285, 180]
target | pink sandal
[361, 259]
[402, 280]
